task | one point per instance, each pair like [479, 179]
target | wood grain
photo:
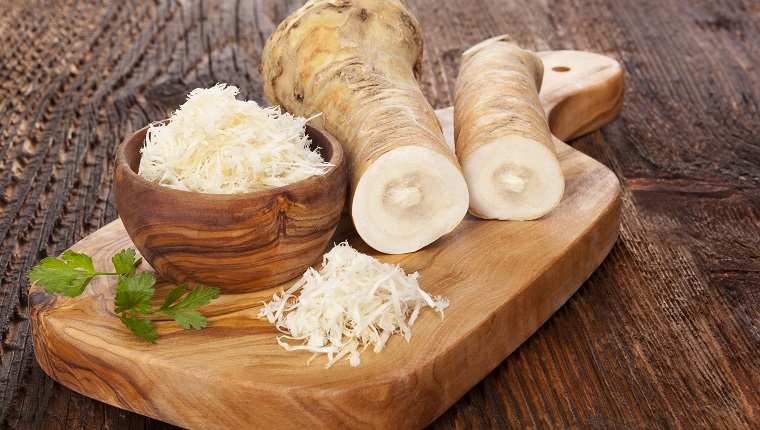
[236, 242]
[664, 335]
[504, 279]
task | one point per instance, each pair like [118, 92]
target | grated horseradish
[352, 302]
[217, 144]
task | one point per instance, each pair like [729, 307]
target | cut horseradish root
[526, 185]
[408, 198]
[501, 133]
[353, 302]
[359, 66]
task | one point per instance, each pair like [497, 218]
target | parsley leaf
[200, 296]
[186, 319]
[178, 309]
[173, 296]
[76, 259]
[70, 276]
[133, 294]
[125, 262]
[140, 327]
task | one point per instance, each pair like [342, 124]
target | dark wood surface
[665, 334]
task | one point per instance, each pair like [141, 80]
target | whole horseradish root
[358, 62]
[501, 133]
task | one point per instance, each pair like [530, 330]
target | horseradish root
[502, 137]
[357, 62]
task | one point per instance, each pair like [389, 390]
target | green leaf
[178, 309]
[173, 296]
[77, 286]
[54, 263]
[53, 274]
[141, 327]
[200, 296]
[68, 277]
[125, 262]
[71, 274]
[77, 260]
[185, 318]
[134, 293]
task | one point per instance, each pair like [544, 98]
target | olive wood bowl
[236, 242]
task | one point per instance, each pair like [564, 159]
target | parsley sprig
[71, 274]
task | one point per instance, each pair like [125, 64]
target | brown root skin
[496, 103]
[357, 63]
[498, 85]
[531, 60]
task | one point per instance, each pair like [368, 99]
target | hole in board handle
[561, 69]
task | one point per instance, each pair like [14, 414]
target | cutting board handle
[581, 91]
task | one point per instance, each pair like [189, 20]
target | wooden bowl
[236, 242]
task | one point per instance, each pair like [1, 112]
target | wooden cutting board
[504, 280]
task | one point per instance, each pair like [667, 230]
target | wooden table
[665, 334]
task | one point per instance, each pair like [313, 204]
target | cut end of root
[408, 198]
[403, 197]
[510, 182]
[481, 45]
[513, 178]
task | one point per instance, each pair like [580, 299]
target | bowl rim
[337, 160]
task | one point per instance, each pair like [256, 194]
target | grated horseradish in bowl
[220, 208]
